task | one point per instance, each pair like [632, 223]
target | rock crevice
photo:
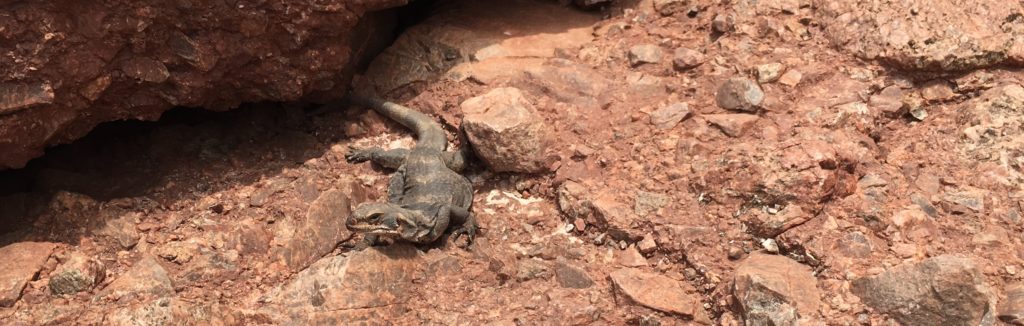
[69, 65]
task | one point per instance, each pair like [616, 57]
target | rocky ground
[771, 162]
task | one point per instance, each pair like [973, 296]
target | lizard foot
[368, 241]
[356, 155]
[469, 229]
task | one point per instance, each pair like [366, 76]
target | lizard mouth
[374, 218]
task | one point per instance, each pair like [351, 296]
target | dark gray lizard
[426, 195]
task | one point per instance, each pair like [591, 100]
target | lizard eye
[375, 218]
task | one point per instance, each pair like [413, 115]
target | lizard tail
[428, 133]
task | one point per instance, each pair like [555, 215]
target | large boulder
[506, 131]
[69, 65]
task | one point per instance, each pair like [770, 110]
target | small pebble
[735, 253]
[770, 245]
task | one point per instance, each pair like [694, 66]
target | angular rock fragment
[791, 78]
[145, 278]
[19, 264]
[889, 100]
[572, 277]
[937, 91]
[943, 290]
[572, 200]
[657, 292]
[669, 116]
[1011, 310]
[740, 94]
[617, 218]
[506, 131]
[146, 69]
[77, 273]
[631, 257]
[686, 58]
[769, 225]
[723, 23]
[775, 290]
[371, 282]
[644, 53]
[531, 268]
[648, 202]
[770, 72]
[733, 125]
[669, 7]
[321, 230]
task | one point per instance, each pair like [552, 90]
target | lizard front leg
[466, 224]
[392, 158]
[457, 160]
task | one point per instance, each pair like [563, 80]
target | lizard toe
[470, 231]
[357, 155]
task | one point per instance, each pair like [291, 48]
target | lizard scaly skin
[426, 194]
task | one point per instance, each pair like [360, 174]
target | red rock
[669, 116]
[572, 277]
[77, 273]
[776, 290]
[568, 82]
[657, 292]
[937, 91]
[572, 200]
[617, 218]
[371, 282]
[79, 63]
[669, 7]
[686, 58]
[943, 290]
[506, 131]
[168, 311]
[631, 257]
[733, 125]
[18, 96]
[647, 245]
[645, 203]
[644, 53]
[889, 100]
[146, 69]
[145, 278]
[1011, 310]
[740, 94]
[767, 225]
[947, 35]
[320, 232]
[791, 78]
[19, 264]
[770, 72]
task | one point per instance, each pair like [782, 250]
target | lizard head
[389, 221]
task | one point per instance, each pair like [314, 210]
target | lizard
[426, 193]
